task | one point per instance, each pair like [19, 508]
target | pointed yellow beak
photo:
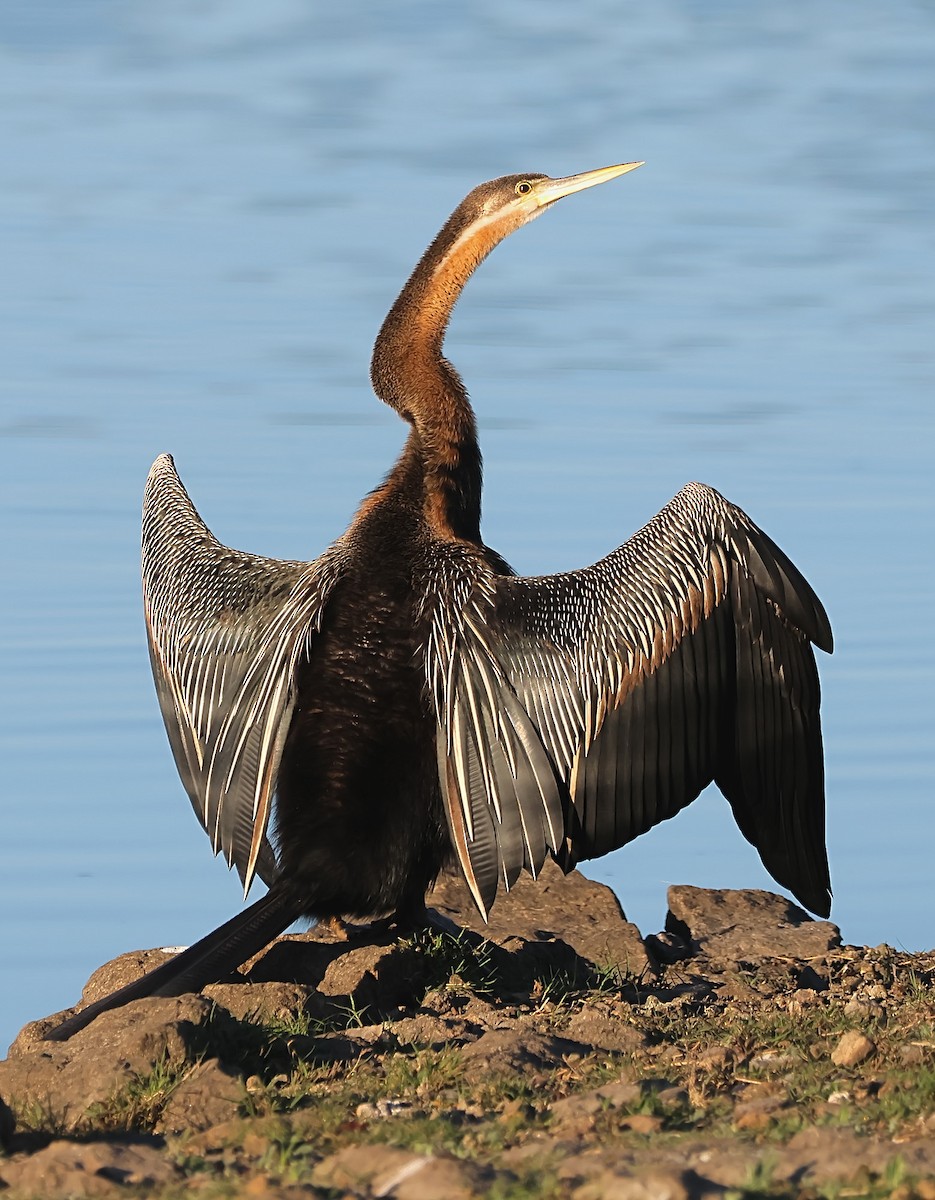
[547, 191]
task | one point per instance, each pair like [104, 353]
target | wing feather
[225, 632]
[592, 705]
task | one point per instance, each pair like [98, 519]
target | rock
[759, 1113]
[646, 1123]
[68, 1170]
[585, 915]
[653, 1185]
[429, 1030]
[66, 1078]
[252, 1136]
[120, 971]
[742, 926]
[300, 958]
[800, 1000]
[208, 1095]
[376, 979]
[815, 1155]
[261, 1001]
[373, 977]
[507, 1050]
[605, 1030]
[400, 1174]
[572, 1109]
[852, 1049]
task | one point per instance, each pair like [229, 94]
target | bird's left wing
[225, 632]
[575, 711]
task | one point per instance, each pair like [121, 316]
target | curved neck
[411, 375]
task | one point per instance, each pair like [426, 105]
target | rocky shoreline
[743, 1051]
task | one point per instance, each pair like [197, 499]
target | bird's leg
[413, 915]
[410, 917]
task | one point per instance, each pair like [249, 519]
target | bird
[346, 727]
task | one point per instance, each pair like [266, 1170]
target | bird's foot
[337, 927]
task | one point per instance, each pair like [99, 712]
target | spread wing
[225, 631]
[576, 711]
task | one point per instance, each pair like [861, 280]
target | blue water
[205, 210]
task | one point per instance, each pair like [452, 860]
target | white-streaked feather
[226, 631]
[539, 664]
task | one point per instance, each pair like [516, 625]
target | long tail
[209, 960]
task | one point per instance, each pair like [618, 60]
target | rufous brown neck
[411, 375]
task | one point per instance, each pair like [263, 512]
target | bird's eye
[523, 188]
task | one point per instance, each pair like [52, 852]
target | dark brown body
[360, 829]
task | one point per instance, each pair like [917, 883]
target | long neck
[411, 375]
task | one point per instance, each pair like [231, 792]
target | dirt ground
[743, 1051]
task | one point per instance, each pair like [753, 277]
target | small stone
[380, 1109]
[576, 1109]
[758, 1114]
[802, 999]
[516, 1110]
[642, 1123]
[770, 1062]
[852, 1049]
[863, 1009]
[911, 1055]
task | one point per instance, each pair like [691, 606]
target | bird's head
[494, 210]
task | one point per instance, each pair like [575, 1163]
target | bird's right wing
[225, 632]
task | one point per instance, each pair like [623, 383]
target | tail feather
[207, 961]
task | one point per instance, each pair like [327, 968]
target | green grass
[461, 961]
[138, 1104]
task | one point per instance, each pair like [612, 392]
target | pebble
[642, 1123]
[852, 1049]
[383, 1108]
[759, 1113]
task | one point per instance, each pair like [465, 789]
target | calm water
[205, 210]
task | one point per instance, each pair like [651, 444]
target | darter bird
[346, 726]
